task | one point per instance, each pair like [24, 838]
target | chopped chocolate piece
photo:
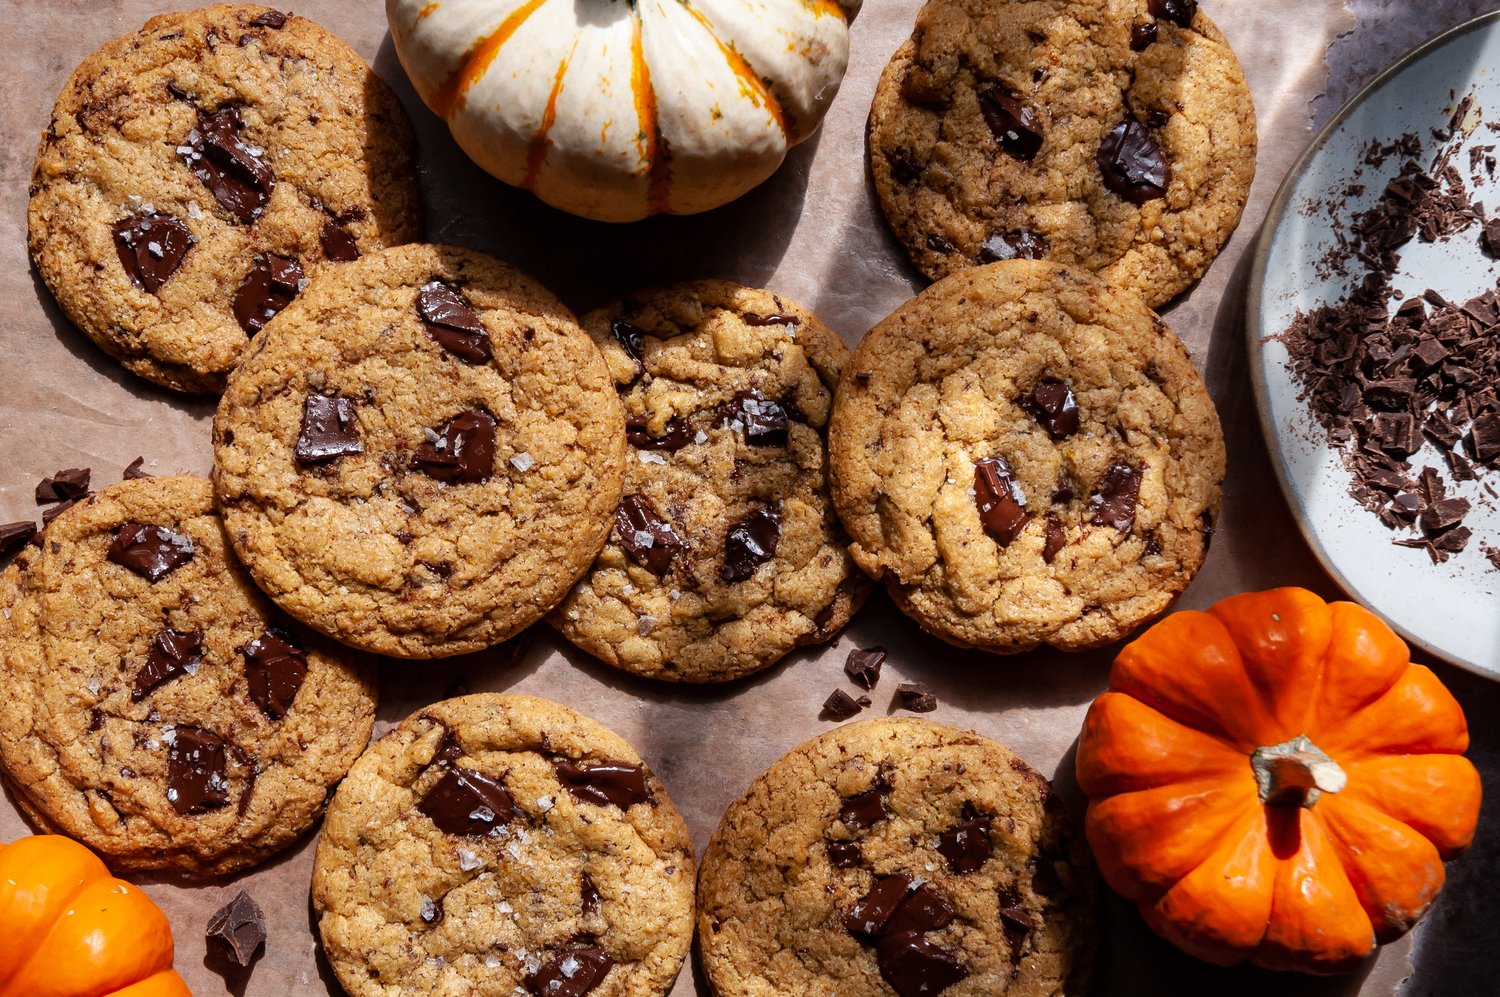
[172, 653]
[868, 918]
[904, 167]
[1444, 514]
[329, 430]
[605, 784]
[750, 318]
[270, 19]
[915, 967]
[1116, 497]
[1052, 404]
[48, 515]
[14, 536]
[196, 780]
[1017, 244]
[572, 973]
[1179, 12]
[648, 538]
[966, 845]
[461, 451]
[864, 809]
[269, 287]
[1000, 512]
[1013, 911]
[923, 910]
[863, 666]
[151, 248]
[1454, 541]
[453, 324]
[465, 802]
[845, 854]
[239, 928]
[153, 552]
[840, 706]
[1142, 36]
[916, 697]
[70, 484]
[761, 420]
[449, 749]
[1017, 127]
[234, 172]
[630, 337]
[750, 543]
[1397, 434]
[1056, 539]
[1132, 163]
[1484, 437]
[275, 669]
[134, 472]
[338, 244]
[588, 894]
[1489, 236]
[677, 435]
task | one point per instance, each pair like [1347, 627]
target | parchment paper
[813, 233]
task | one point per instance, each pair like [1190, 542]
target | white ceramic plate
[1452, 609]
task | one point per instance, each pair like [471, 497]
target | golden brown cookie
[1118, 136]
[197, 173]
[897, 857]
[726, 552]
[1026, 456]
[159, 709]
[503, 845]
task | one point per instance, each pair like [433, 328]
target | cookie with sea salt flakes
[726, 551]
[159, 709]
[1114, 135]
[421, 455]
[1026, 455]
[197, 173]
[499, 844]
[897, 857]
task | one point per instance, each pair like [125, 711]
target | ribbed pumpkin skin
[69, 929]
[619, 109]
[1175, 816]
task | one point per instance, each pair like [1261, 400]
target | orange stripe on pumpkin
[479, 58]
[649, 140]
[751, 85]
[821, 7]
[536, 153]
[427, 11]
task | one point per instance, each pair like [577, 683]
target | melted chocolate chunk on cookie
[151, 248]
[775, 318]
[270, 19]
[572, 973]
[196, 767]
[337, 242]
[845, 854]
[172, 653]
[465, 802]
[1000, 513]
[868, 918]
[1116, 497]
[893, 917]
[1013, 911]
[863, 666]
[1055, 539]
[610, 783]
[275, 669]
[588, 895]
[1017, 244]
[762, 420]
[329, 430]
[233, 171]
[1133, 164]
[1143, 36]
[461, 451]
[453, 324]
[269, 287]
[449, 749]
[630, 337]
[750, 544]
[865, 809]
[1017, 127]
[153, 552]
[1179, 12]
[646, 536]
[966, 845]
[1051, 403]
[677, 435]
[915, 967]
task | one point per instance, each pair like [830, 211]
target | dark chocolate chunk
[1142, 36]
[151, 248]
[629, 336]
[1017, 127]
[270, 19]
[338, 244]
[1056, 539]
[938, 244]
[465, 802]
[761, 420]
[1052, 404]
[1484, 437]
[453, 324]
[1453, 541]
[1133, 164]
[233, 171]
[923, 910]
[1397, 433]
[840, 706]
[1000, 513]
[863, 666]
[1489, 236]
[1116, 496]
[269, 287]
[750, 543]
[1014, 913]
[864, 809]
[1017, 244]
[1179, 12]
[750, 318]
[868, 918]
[275, 669]
[172, 653]
[605, 784]
[966, 845]
[329, 430]
[648, 538]
[845, 854]
[64, 486]
[572, 973]
[48, 515]
[677, 435]
[588, 895]
[915, 967]
[1444, 514]
[916, 697]
[196, 767]
[153, 552]
[449, 749]
[133, 471]
[14, 536]
[239, 928]
[461, 451]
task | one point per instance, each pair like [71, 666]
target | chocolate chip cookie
[197, 173]
[726, 551]
[158, 708]
[422, 454]
[897, 857]
[501, 844]
[1026, 456]
[1117, 136]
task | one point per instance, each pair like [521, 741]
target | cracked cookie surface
[497, 845]
[985, 890]
[177, 724]
[412, 487]
[185, 161]
[727, 393]
[994, 127]
[1027, 456]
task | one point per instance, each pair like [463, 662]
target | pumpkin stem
[1295, 773]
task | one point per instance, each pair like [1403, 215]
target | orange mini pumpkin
[69, 929]
[1274, 780]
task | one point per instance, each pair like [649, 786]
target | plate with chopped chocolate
[1374, 328]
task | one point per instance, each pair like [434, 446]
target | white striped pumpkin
[618, 109]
